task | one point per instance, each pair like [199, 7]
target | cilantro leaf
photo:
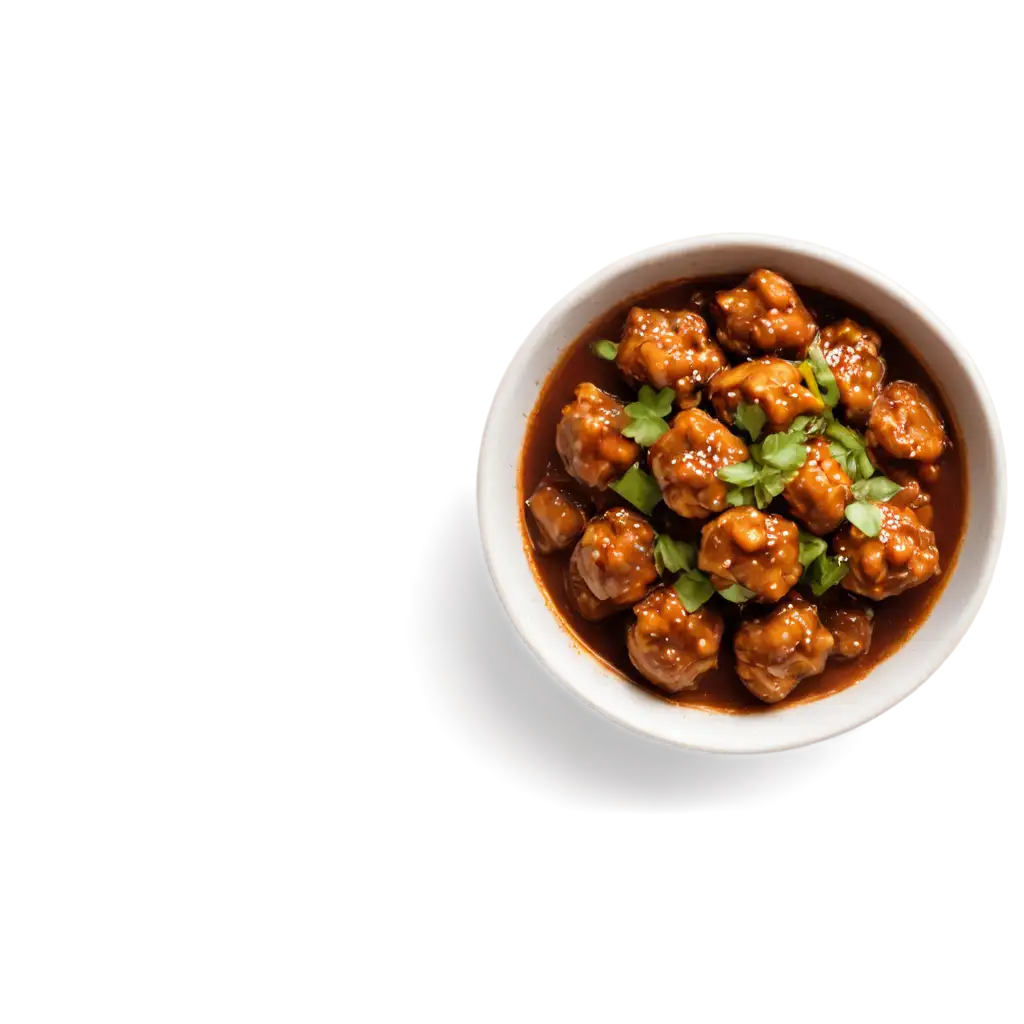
[846, 459]
[784, 452]
[638, 488]
[694, 589]
[849, 439]
[773, 481]
[737, 496]
[645, 428]
[740, 474]
[646, 414]
[751, 418]
[737, 593]
[824, 573]
[773, 463]
[824, 377]
[605, 349]
[659, 402]
[849, 449]
[672, 555]
[811, 548]
[866, 517]
[879, 488]
[808, 426]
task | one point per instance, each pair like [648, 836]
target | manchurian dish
[752, 496]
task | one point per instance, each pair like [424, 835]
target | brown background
[256, 271]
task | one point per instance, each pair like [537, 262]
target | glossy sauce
[895, 618]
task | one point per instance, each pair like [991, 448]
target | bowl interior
[786, 726]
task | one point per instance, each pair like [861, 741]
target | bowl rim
[489, 526]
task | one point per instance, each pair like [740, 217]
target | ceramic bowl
[785, 726]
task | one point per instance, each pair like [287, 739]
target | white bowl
[786, 726]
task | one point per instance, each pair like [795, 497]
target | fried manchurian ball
[913, 495]
[820, 491]
[670, 646]
[559, 520]
[666, 348]
[773, 384]
[758, 550]
[685, 459]
[774, 653]
[589, 438]
[614, 560]
[850, 624]
[905, 423]
[764, 314]
[852, 353]
[903, 555]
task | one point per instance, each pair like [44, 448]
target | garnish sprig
[640, 489]
[693, 586]
[647, 415]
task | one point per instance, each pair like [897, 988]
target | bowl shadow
[499, 692]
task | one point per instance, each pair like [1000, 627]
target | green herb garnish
[605, 349]
[772, 464]
[770, 484]
[809, 426]
[783, 451]
[737, 496]
[824, 573]
[846, 459]
[751, 418]
[849, 449]
[672, 555]
[638, 488]
[739, 474]
[694, 589]
[811, 548]
[866, 517]
[848, 438]
[647, 415]
[737, 594]
[816, 369]
[878, 488]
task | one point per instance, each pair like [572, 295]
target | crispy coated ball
[774, 653]
[666, 348]
[670, 646]
[589, 438]
[759, 550]
[852, 353]
[905, 423]
[903, 555]
[773, 384]
[559, 520]
[913, 495]
[764, 314]
[850, 624]
[582, 599]
[820, 491]
[685, 460]
[615, 557]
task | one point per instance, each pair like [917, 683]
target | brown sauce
[896, 618]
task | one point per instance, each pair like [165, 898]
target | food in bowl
[741, 492]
